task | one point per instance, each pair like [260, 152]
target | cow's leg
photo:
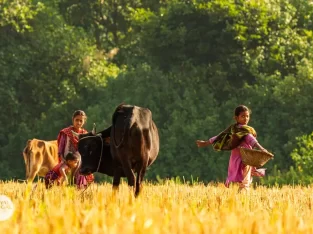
[26, 167]
[129, 173]
[117, 177]
[139, 179]
[140, 175]
[27, 173]
[33, 172]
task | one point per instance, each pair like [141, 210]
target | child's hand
[59, 182]
[201, 143]
[66, 182]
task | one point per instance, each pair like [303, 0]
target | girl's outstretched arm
[201, 143]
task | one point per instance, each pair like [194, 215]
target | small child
[59, 173]
[235, 136]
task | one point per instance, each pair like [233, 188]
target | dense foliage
[190, 62]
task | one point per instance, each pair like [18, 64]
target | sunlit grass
[163, 208]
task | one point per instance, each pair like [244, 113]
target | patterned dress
[67, 142]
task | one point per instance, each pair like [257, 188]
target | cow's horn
[94, 129]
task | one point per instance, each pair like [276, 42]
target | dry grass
[168, 208]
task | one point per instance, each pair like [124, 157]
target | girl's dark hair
[70, 156]
[79, 112]
[241, 108]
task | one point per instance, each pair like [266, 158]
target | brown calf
[40, 157]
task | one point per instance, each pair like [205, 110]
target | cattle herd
[124, 149]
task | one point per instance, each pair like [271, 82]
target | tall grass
[161, 208]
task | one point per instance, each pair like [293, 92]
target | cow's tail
[126, 128]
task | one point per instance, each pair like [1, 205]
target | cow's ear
[94, 131]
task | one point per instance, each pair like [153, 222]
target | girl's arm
[260, 147]
[63, 174]
[254, 143]
[201, 143]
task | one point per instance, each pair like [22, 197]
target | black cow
[134, 145]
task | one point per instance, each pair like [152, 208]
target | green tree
[302, 154]
[109, 22]
[48, 69]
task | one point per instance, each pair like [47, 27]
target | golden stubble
[160, 208]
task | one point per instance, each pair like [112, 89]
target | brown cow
[40, 156]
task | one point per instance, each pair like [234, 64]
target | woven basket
[255, 158]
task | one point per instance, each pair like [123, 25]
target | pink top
[235, 163]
